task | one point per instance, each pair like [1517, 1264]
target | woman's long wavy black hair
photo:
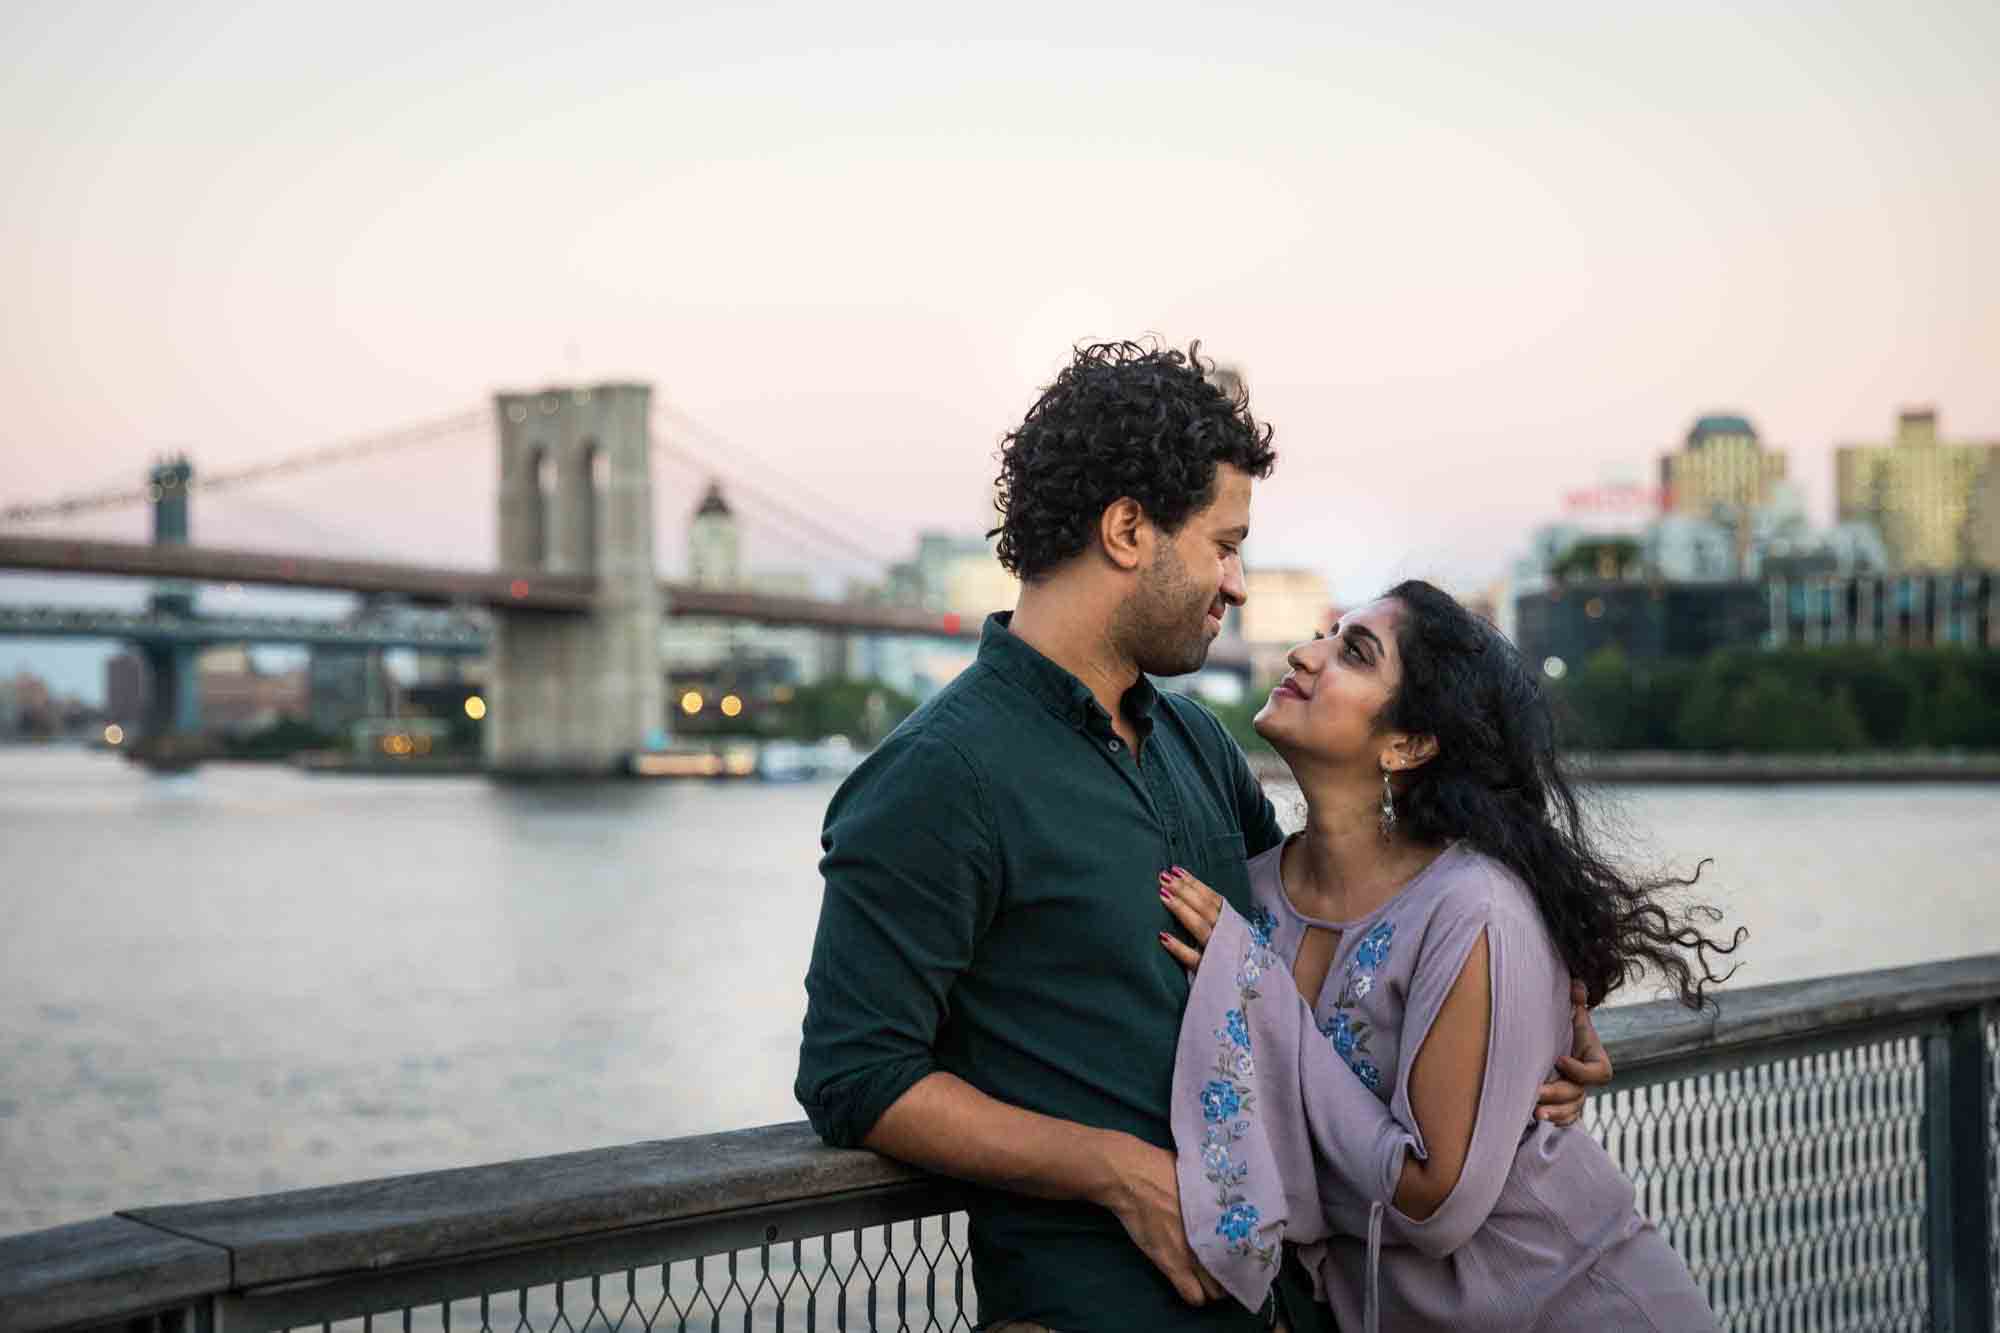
[1496, 783]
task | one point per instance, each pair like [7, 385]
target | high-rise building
[1283, 606]
[1917, 490]
[128, 689]
[237, 695]
[1280, 607]
[345, 685]
[1984, 520]
[1723, 469]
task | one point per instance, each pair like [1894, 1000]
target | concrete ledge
[112, 1268]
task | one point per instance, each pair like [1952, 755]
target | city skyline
[1464, 270]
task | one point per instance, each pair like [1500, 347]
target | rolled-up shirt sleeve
[911, 872]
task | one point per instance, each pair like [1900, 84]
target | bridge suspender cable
[802, 523]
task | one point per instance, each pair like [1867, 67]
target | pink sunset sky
[1467, 263]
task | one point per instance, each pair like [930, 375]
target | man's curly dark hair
[1122, 419]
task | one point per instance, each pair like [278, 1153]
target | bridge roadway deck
[512, 591]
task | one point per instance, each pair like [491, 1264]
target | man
[987, 996]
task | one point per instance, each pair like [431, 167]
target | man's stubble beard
[1163, 625]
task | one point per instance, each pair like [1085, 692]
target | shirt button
[1114, 745]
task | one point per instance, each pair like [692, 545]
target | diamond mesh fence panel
[1794, 1188]
[912, 1276]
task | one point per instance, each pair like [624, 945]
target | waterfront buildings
[1564, 624]
[238, 696]
[29, 708]
[1652, 620]
[1918, 490]
[1960, 608]
[952, 573]
[1283, 605]
[346, 684]
[949, 574]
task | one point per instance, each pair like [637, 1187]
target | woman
[1378, 1110]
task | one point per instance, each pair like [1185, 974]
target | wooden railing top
[148, 1258]
[1745, 1017]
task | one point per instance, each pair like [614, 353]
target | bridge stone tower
[577, 694]
[175, 707]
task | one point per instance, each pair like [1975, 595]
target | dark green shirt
[992, 909]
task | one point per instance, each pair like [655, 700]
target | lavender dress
[1292, 1123]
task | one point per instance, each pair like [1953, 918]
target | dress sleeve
[1242, 1158]
[1362, 1143]
[912, 878]
[1523, 977]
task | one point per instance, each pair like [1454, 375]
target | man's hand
[1145, 1197]
[1587, 1066]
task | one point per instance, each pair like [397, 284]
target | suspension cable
[117, 497]
[802, 523]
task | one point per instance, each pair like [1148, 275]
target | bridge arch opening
[540, 467]
[580, 498]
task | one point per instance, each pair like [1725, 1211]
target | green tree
[1773, 714]
[286, 736]
[863, 710]
[1235, 718]
[1961, 715]
[1600, 700]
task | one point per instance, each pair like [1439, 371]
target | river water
[247, 979]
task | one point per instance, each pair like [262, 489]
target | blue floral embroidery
[1228, 1101]
[1348, 1034]
[1237, 1222]
[1374, 950]
[1340, 1031]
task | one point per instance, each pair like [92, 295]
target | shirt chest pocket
[1220, 863]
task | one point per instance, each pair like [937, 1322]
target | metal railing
[1822, 1153]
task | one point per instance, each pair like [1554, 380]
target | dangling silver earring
[1388, 807]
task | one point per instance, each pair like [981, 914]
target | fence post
[1956, 1146]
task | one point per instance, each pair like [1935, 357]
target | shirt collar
[1058, 690]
